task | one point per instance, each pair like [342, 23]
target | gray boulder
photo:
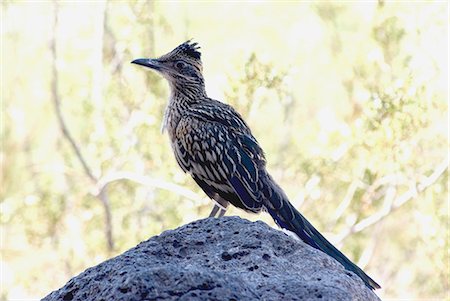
[228, 258]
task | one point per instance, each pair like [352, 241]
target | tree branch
[346, 201]
[57, 102]
[146, 181]
[391, 203]
[102, 194]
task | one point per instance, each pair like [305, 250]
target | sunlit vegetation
[349, 101]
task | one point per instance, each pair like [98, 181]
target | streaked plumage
[213, 144]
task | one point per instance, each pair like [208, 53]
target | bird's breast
[172, 117]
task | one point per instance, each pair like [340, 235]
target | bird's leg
[219, 206]
[214, 210]
[222, 212]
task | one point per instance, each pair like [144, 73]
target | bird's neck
[182, 96]
[188, 91]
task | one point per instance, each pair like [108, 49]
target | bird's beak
[150, 63]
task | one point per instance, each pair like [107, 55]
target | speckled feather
[214, 145]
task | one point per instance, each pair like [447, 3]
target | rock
[217, 259]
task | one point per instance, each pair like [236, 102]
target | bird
[215, 146]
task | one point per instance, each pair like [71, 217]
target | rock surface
[217, 259]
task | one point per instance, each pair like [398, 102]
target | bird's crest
[190, 49]
[187, 50]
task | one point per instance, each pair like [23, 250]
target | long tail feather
[289, 218]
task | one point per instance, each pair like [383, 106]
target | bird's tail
[287, 217]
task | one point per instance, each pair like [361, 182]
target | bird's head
[181, 66]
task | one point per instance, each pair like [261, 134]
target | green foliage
[347, 100]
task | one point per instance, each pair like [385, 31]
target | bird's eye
[180, 65]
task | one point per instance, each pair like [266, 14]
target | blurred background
[349, 101]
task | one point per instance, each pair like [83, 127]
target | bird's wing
[218, 150]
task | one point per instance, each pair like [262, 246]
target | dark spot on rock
[123, 290]
[68, 296]
[172, 293]
[144, 294]
[318, 279]
[176, 244]
[182, 252]
[319, 296]
[199, 243]
[240, 254]
[226, 256]
[236, 232]
[266, 257]
[207, 285]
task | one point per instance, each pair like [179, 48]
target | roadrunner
[215, 146]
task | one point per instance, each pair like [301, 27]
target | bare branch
[370, 193]
[346, 201]
[392, 203]
[57, 102]
[146, 181]
[102, 195]
[366, 254]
